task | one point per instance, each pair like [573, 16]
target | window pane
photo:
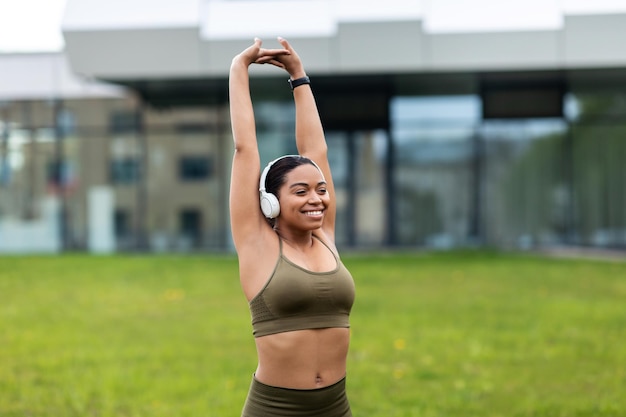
[599, 172]
[122, 122]
[433, 186]
[195, 168]
[433, 168]
[124, 171]
[190, 223]
[525, 191]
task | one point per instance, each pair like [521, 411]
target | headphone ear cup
[269, 205]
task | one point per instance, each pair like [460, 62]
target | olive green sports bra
[296, 299]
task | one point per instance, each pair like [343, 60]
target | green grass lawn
[448, 334]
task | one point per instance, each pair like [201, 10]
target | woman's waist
[303, 359]
[337, 386]
[301, 379]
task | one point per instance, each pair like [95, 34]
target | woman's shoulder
[327, 240]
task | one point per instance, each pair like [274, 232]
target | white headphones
[269, 202]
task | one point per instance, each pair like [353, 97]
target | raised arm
[245, 215]
[310, 139]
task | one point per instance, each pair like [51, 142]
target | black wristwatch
[298, 82]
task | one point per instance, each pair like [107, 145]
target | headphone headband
[269, 165]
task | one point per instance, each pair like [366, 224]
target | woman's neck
[300, 241]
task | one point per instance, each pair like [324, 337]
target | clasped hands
[285, 57]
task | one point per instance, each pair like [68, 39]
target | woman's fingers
[276, 63]
[272, 52]
[271, 56]
[284, 43]
[269, 60]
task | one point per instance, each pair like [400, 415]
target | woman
[299, 292]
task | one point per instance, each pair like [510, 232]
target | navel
[318, 379]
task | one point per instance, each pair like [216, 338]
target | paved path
[613, 255]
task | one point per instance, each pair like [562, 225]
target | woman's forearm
[241, 111]
[309, 131]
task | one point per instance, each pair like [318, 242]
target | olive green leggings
[267, 401]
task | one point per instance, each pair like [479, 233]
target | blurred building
[439, 138]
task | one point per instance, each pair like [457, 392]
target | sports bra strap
[280, 245]
[327, 247]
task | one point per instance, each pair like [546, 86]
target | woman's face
[303, 197]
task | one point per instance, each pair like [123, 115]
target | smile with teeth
[313, 213]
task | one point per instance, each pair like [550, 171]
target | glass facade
[598, 172]
[525, 191]
[358, 160]
[167, 172]
[433, 169]
[442, 175]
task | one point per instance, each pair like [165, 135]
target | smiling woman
[299, 292]
[31, 25]
[274, 176]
